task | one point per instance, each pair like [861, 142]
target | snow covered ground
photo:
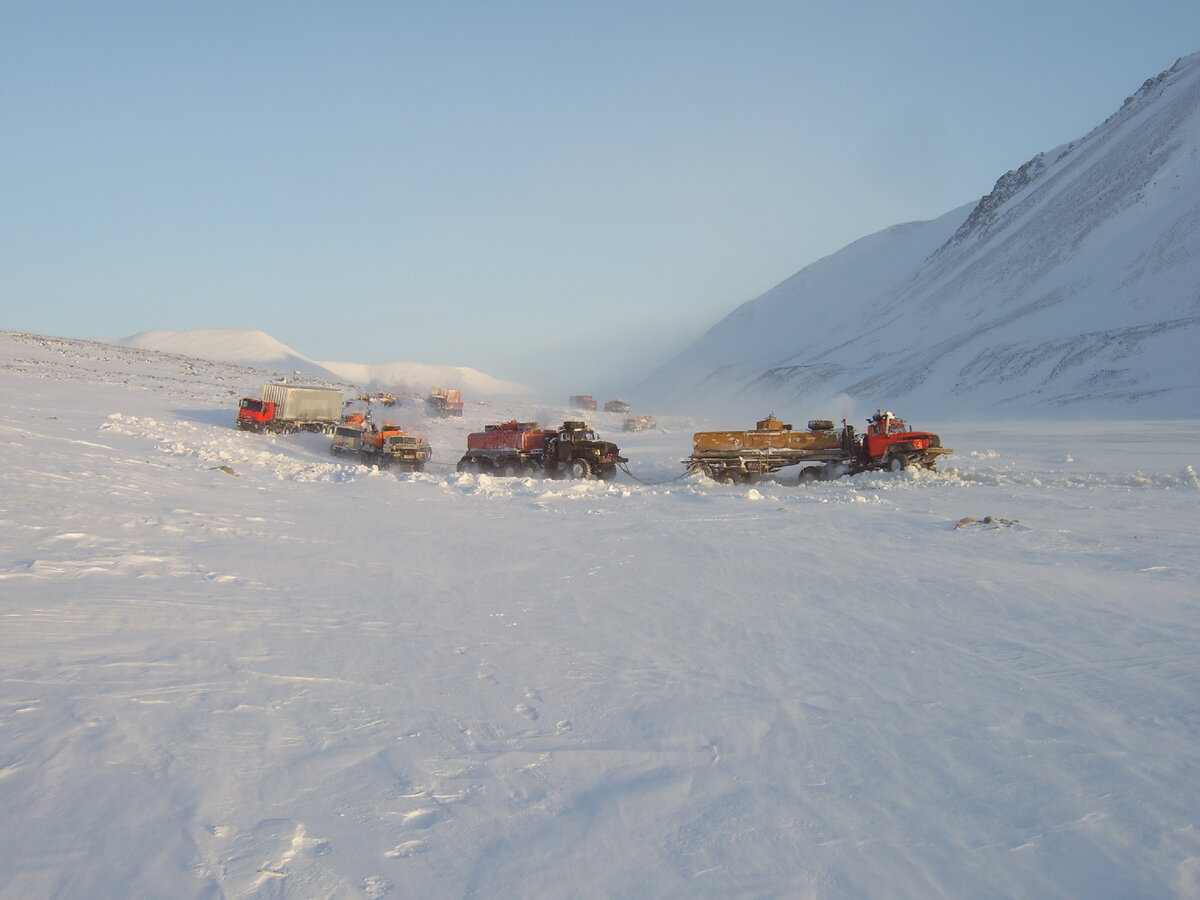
[233, 666]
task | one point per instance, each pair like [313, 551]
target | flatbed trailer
[825, 451]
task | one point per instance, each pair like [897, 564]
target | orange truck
[392, 445]
[772, 445]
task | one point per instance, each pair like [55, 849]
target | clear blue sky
[560, 193]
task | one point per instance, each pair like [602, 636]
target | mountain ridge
[1071, 286]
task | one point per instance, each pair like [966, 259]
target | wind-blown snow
[235, 666]
[1071, 287]
[420, 377]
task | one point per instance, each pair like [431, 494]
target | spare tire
[820, 424]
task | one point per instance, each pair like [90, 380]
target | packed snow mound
[1071, 287]
[231, 345]
[420, 377]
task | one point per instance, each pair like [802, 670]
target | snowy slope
[233, 666]
[231, 345]
[255, 348]
[1071, 287]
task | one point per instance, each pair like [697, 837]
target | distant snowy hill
[247, 348]
[256, 348]
[1073, 286]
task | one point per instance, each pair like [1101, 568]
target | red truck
[516, 448]
[443, 402]
[287, 408]
[888, 443]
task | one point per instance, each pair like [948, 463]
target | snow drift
[1072, 287]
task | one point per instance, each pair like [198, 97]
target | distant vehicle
[347, 439]
[380, 397]
[640, 423]
[517, 448]
[288, 408]
[443, 402]
[583, 401]
[617, 406]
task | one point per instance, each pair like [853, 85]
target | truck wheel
[896, 463]
[510, 470]
[579, 469]
[810, 473]
[466, 465]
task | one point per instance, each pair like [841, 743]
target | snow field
[234, 665]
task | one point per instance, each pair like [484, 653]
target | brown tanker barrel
[761, 441]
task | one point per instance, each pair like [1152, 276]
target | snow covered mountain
[258, 349]
[1073, 286]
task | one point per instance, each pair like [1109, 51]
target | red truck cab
[253, 414]
[886, 432]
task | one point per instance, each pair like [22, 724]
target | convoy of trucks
[516, 448]
[387, 446]
[574, 449]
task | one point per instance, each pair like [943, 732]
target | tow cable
[624, 467]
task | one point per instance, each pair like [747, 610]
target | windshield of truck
[348, 432]
[252, 405]
[400, 440]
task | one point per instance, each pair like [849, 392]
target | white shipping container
[304, 404]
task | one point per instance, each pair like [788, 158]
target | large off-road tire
[510, 469]
[579, 469]
[810, 473]
[467, 466]
[897, 463]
